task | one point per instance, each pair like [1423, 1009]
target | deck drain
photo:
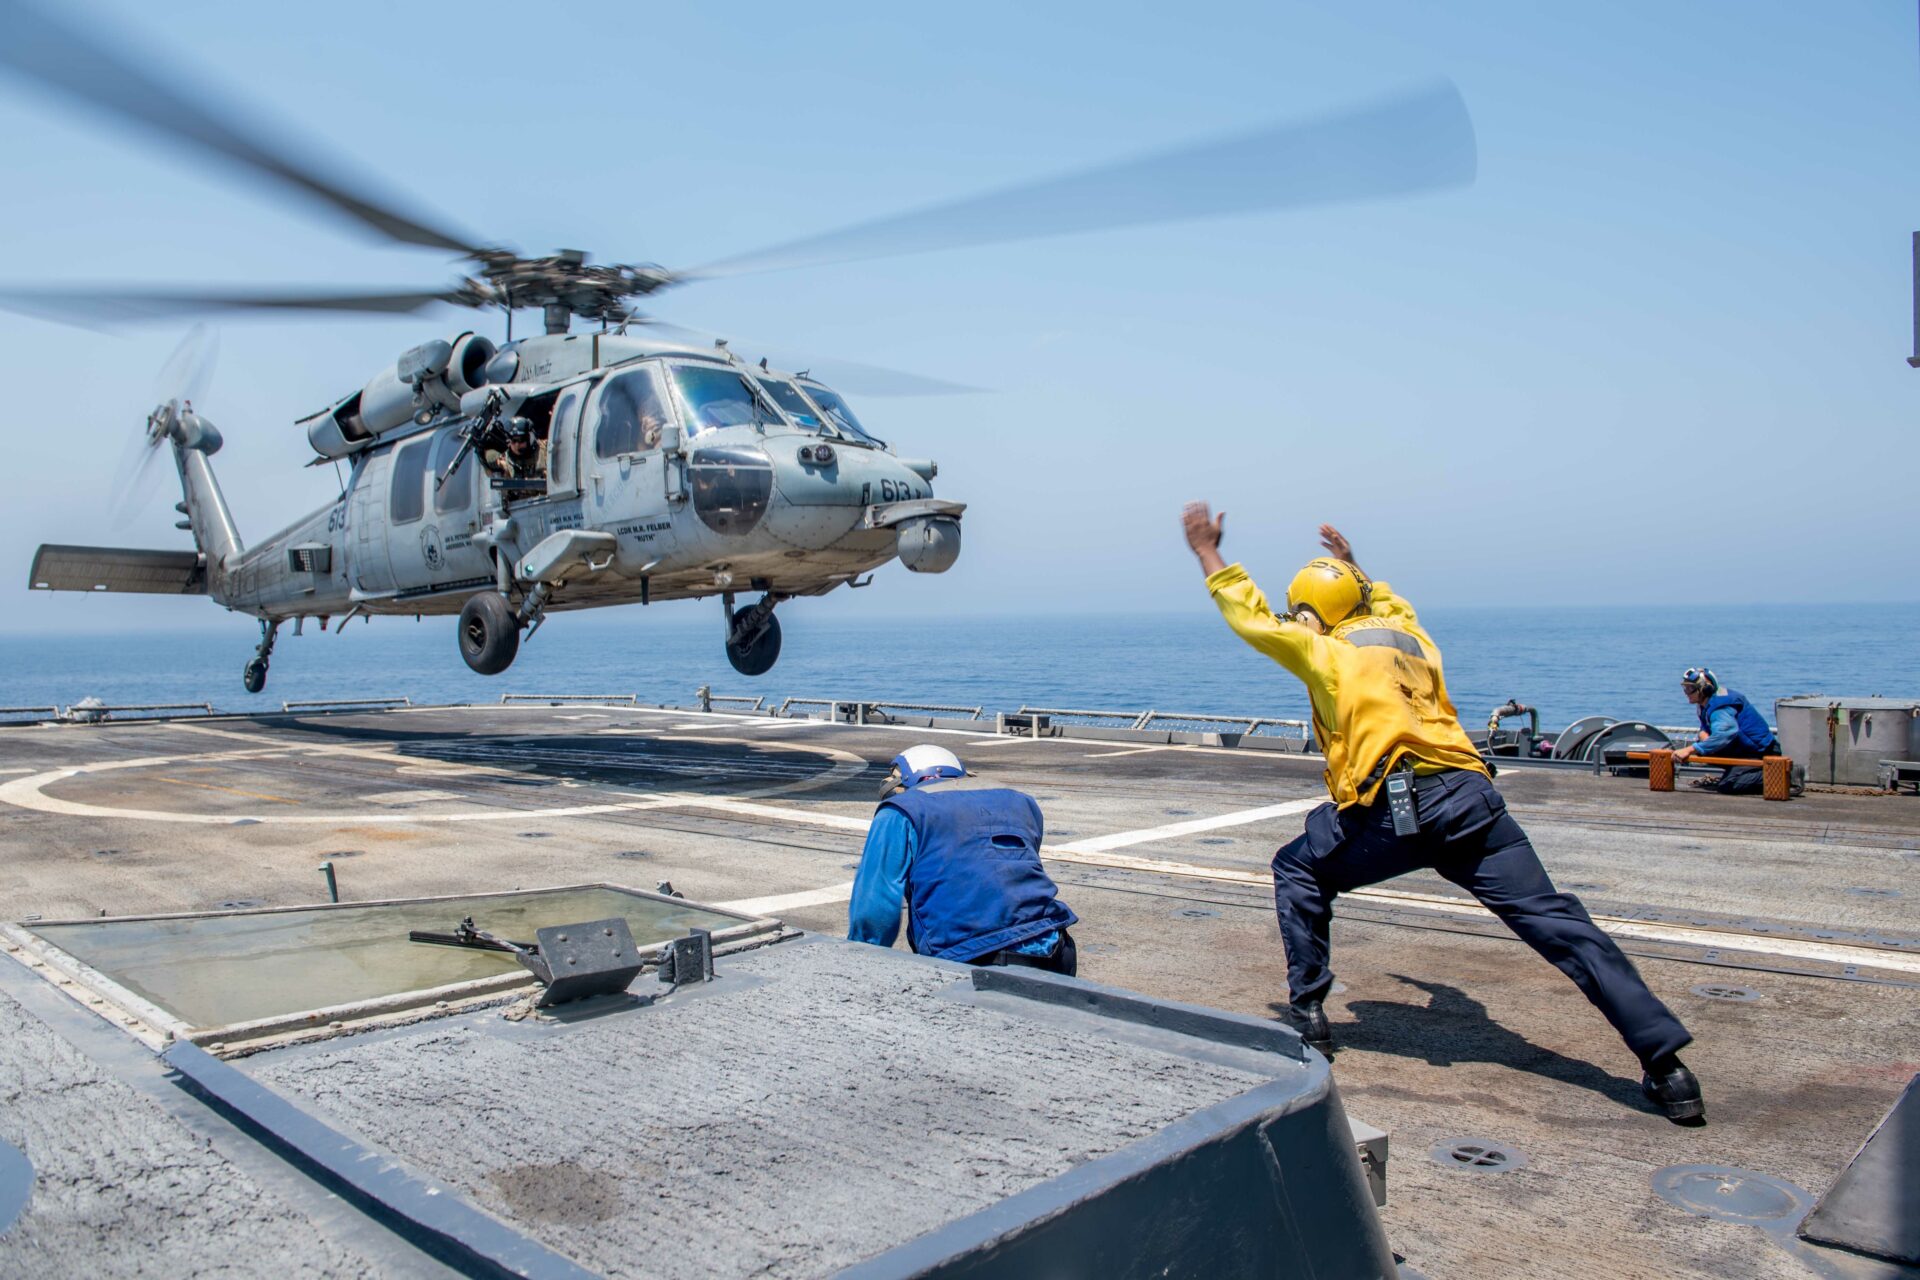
[1726, 991]
[535, 835]
[1583, 886]
[633, 855]
[1198, 913]
[1732, 1195]
[1477, 1155]
[239, 904]
[1867, 891]
[16, 1183]
[1216, 840]
[346, 853]
[1179, 813]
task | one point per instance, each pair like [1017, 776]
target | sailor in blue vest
[965, 859]
[1729, 726]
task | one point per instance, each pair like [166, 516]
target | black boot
[1310, 1020]
[1672, 1088]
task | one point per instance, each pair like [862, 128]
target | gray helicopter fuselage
[679, 498]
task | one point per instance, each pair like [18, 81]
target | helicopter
[635, 462]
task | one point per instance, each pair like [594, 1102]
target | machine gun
[483, 432]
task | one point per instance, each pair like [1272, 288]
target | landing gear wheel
[489, 633]
[757, 655]
[254, 675]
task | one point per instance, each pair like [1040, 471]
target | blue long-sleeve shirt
[1723, 730]
[880, 886]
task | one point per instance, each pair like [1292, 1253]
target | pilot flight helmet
[1332, 589]
[921, 764]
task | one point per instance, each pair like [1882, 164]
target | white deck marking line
[1120, 840]
[28, 792]
[1130, 751]
[8, 773]
[791, 901]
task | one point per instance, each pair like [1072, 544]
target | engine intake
[433, 375]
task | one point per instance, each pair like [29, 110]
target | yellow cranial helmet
[1333, 589]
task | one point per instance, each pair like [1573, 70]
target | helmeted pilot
[1410, 791]
[964, 858]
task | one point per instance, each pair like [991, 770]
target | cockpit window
[788, 397]
[837, 411]
[628, 414]
[720, 398]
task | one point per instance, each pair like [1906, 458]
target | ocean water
[1569, 662]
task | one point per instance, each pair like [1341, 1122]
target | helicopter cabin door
[563, 442]
[624, 482]
[431, 522]
[370, 572]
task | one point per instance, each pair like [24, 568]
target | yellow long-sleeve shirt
[1375, 682]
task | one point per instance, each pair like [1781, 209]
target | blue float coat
[970, 915]
[1727, 718]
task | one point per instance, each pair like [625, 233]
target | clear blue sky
[1675, 301]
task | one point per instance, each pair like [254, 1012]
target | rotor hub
[563, 284]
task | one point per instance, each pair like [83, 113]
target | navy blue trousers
[1467, 836]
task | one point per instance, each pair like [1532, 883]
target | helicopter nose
[821, 474]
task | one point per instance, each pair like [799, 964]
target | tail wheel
[755, 655]
[254, 675]
[489, 633]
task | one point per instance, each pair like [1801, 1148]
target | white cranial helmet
[926, 763]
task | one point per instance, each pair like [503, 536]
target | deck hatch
[220, 969]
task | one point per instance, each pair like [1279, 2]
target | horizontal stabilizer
[132, 569]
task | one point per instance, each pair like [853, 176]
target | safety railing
[751, 704]
[874, 710]
[560, 699]
[93, 712]
[707, 697]
[336, 704]
[1246, 726]
[31, 713]
[1268, 726]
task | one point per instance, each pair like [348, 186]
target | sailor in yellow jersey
[1410, 791]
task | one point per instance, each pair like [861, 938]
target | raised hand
[1336, 545]
[1204, 531]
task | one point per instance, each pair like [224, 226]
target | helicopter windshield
[788, 397]
[720, 398]
[838, 413]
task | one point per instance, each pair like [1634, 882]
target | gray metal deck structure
[1786, 935]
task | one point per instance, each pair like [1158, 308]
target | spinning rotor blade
[1414, 142]
[182, 379]
[82, 307]
[187, 373]
[45, 48]
[841, 375]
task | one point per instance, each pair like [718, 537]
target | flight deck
[1786, 936]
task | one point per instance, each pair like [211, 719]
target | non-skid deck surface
[1448, 1028]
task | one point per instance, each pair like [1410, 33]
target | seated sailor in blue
[1729, 726]
[965, 861]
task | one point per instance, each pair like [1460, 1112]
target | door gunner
[965, 859]
[1410, 792]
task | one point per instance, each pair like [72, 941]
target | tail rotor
[182, 381]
